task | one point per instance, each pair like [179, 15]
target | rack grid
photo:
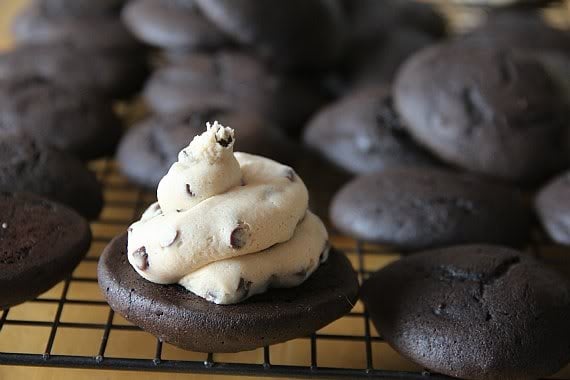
[72, 326]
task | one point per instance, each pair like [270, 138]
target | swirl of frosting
[227, 225]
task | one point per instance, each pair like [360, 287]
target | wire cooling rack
[72, 326]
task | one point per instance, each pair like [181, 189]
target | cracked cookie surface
[478, 312]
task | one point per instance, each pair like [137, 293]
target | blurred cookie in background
[484, 109]
[173, 25]
[417, 208]
[288, 34]
[362, 133]
[232, 81]
[25, 166]
[83, 23]
[112, 72]
[78, 122]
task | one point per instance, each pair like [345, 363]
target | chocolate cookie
[473, 312]
[42, 23]
[149, 149]
[416, 208]
[362, 133]
[172, 24]
[231, 81]
[112, 72]
[27, 167]
[287, 33]
[378, 63]
[179, 317]
[76, 122]
[484, 109]
[41, 242]
[371, 20]
[79, 8]
[553, 207]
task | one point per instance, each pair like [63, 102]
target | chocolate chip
[140, 258]
[290, 174]
[225, 142]
[243, 287]
[239, 236]
[189, 191]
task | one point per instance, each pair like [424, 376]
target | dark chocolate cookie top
[484, 109]
[362, 133]
[416, 208]
[27, 167]
[179, 317]
[40, 243]
[77, 122]
[476, 312]
[172, 24]
[287, 33]
[113, 72]
[231, 81]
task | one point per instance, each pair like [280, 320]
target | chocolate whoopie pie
[41, 242]
[76, 122]
[287, 33]
[231, 81]
[172, 24]
[416, 208]
[113, 72]
[148, 150]
[27, 167]
[473, 312]
[484, 109]
[362, 133]
[179, 317]
[86, 23]
[553, 207]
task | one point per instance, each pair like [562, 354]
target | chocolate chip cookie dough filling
[227, 226]
[230, 242]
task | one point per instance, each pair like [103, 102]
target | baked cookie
[553, 207]
[41, 242]
[81, 25]
[269, 318]
[112, 72]
[27, 167]
[473, 312]
[231, 81]
[228, 229]
[484, 109]
[172, 24]
[147, 150]
[287, 33]
[75, 122]
[362, 133]
[416, 208]
[79, 8]
[371, 20]
[378, 63]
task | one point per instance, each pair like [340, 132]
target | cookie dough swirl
[227, 225]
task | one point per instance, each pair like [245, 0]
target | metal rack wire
[72, 326]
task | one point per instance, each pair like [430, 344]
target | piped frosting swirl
[227, 225]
